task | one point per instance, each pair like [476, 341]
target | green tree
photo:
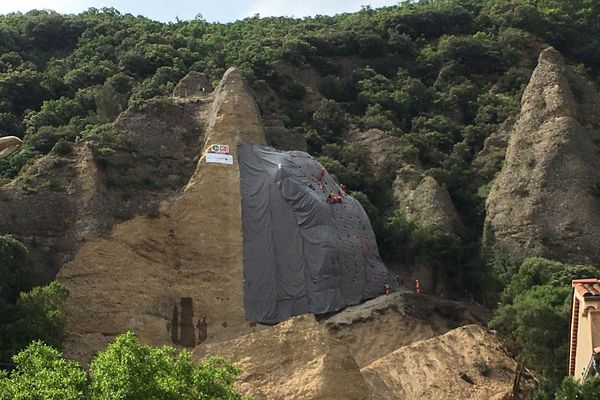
[397, 235]
[533, 317]
[125, 370]
[21, 90]
[48, 30]
[15, 269]
[330, 120]
[537, 324]
[26, 313]
[41, 373]
[42, 317]
[572, 390]
[129, 370]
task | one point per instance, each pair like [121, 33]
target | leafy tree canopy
[534, 314]
[125, 370]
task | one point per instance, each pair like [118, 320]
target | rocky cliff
[82, 190]
[159, 252]
[423, 200]
[180, 269]
[546, 199]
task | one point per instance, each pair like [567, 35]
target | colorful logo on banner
[219, 149]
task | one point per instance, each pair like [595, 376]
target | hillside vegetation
[439, 76]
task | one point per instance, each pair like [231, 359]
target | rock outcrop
[194, 84]
[441, 368]
[380, 326]
[281, 138]
[296, 359]
[546, 200]
[420, 197]
[69, 195]
[138, 276]
[427, 204]
[424, 201]
[384, 151]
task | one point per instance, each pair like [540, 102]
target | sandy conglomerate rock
[546, 199]
[382, 325]
[64, 197]
[192, 85]
[151, 273]
[296, 359]
[431, 369]
[424, 201]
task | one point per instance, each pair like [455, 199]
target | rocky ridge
[376, 350]
[399, 319]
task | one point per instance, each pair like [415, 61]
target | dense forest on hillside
[443, 75]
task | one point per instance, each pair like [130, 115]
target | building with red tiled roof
[585, 329]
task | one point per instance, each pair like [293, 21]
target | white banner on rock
[219, 158]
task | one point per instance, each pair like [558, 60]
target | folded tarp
[302, 254]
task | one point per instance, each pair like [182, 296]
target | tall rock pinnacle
[546, 199]
[134, 278]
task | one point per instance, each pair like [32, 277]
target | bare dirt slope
[431, 369]
[152, 274]
[378, 327]
[296, 359]
[393, 339]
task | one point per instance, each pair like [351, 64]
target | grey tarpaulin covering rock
[301, 253]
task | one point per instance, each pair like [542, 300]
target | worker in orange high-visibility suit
[418, 286]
